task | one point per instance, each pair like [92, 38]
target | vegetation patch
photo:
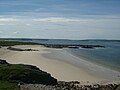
[12, 43]
[6, 85]
[13, 74]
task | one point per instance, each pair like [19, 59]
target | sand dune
[61, 64]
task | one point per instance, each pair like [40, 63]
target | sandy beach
[61, 64]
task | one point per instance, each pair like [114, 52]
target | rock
[118, 88]
[3, 62]
[96, 86]
[19, 49]
[66, 86]
[14, 49]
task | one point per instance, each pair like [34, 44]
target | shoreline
[47, 59]
[94, 61]
[89, 67]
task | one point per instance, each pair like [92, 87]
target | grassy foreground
[11, 75]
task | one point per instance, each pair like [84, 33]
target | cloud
[8, 19]
[88, 18]
[81, 18]
[27, 24]
[15, 32]
[2, 24]
[90, 26]
[58, 19]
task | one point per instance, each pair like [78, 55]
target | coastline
[104, 74]
[61, 64]
[96, 59]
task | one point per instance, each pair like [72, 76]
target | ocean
[107, 57]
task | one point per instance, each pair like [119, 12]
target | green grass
[12, 43]
[13, 74]
[5, 85]
[20, 73]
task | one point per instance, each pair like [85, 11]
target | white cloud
[27, 24]
[15, 32]
[61, 27]
[57, 19]
[8, 19]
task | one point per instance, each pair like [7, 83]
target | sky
[60, 19]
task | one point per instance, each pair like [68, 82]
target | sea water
[108, 57]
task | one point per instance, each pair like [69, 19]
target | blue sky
[63, 19]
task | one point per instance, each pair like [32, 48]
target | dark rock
[3, 62]
[14, 49]
[118, 88]
[19, 49]
[66, 86]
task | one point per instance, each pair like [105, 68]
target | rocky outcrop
[70, 86]
[19, 49]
